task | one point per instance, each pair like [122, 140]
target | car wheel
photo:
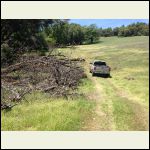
[93, 74]
[108, 75]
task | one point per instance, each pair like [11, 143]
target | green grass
[132, 62]
[126, 114]
[45, 114]
[86, 86]
[39, 112]
[128, 57]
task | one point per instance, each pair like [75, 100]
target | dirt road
[105, 119]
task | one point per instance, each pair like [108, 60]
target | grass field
[39, 112]
[125, 96]
[117, 103]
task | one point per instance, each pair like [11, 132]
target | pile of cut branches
[56, 75]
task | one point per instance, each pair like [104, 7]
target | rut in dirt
[100, 121]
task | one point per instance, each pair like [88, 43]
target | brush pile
[56, 75]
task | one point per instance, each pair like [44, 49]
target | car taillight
[109, 68]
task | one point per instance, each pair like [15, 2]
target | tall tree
[92, 33]
[20, 35]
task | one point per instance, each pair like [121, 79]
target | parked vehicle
[99, 67]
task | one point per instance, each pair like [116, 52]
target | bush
[51, 41]
[7, 54]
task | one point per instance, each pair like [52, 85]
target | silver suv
[99, 67]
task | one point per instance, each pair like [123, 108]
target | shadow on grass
[96, 42]
[102, 76]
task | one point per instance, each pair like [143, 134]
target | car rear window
[99, 63]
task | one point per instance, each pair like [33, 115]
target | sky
[105, 23]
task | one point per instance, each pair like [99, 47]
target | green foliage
[76, 34]
[107, 32]
[20, 36]
[115, 31]
[64, 33]
[92, 33]
[51, 41]
[135, 29]
[7, 54]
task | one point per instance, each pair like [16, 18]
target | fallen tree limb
[50, 74]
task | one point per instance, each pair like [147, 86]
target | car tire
[108, 75]
[93, 74]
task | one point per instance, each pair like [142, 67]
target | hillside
[117, 103]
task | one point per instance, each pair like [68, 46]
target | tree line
[63, 33]
[22, 35]
[134, 29]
